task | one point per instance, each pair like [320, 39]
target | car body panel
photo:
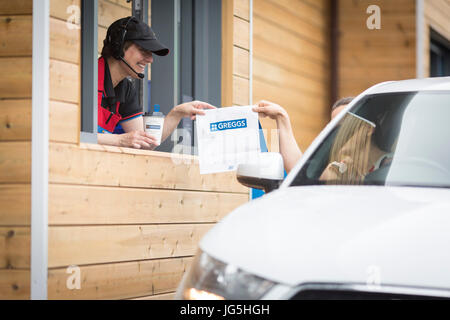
[331, 240]
[388, 235]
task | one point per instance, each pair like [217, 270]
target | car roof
[426, 84]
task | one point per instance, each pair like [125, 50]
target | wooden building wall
[15, 147]
[437, 17]
[129, 219]
[291, 63]
[235, 52]
[367, 57]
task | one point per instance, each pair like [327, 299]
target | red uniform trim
[106, 119]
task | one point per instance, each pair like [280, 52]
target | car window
[386, 139]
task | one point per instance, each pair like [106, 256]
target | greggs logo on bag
[228, 125]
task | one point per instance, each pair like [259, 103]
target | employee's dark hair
[107, 51]
[341, 102]
[114, 43]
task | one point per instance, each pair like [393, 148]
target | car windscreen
[386, 139]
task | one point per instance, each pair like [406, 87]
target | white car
[364, 214]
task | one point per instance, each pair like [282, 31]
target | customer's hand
[269, 109]
[191, 109]
[138, 140]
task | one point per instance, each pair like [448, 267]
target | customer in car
[357, 151]
[289, 148]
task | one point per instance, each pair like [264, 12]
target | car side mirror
[265, 172]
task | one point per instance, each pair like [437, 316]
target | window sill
[114, 149]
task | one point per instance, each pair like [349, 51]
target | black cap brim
[153, 45]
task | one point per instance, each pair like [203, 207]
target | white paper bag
[226, 137]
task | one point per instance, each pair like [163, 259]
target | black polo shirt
[125, 93]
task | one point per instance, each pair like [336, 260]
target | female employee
[128, 47]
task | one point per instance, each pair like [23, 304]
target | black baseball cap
[141, 34]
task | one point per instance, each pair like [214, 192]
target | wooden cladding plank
[64, 81]
[14, 284]
[401, 24]
[15, 120]
[241, 33]
[437, 15]
[321, 5]
[15, 162]
[15, 81]
[14, 247]
[16, 7]
[126, 4]
[15, 204]
[377, 74]
[285, 40]
[242, 9]
[109, 12]
[65, 43]
[400, 58]
[66, 10]
[316, 107]
[106, 244]
[286, 78]
[305, 12]
[287, 59]
[286, 19]
[241, 62]
[241, 92]
[163, 296]
[64, 122]
[16, 36]
[72, 205]
[120, 280]
[133, 168]
[367, 57]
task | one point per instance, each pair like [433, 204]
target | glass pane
[386, 139]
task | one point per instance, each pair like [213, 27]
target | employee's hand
[138, 140]
[269, 109]
[191, 109]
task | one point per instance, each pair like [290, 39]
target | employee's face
[138, 58]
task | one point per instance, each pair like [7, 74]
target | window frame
[439, 47]
[89, 71]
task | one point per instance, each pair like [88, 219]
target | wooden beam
[105, 244]
[120, 280]
[16, 7]
[15, 35]
[15, 247]
[15, 120]
[84, 205]
[15, 162]
[15, 81]
[15, 208]
[103, 166]
[64, 122]
[64, 81]
[14, 284]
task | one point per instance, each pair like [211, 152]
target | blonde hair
[352, 146]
